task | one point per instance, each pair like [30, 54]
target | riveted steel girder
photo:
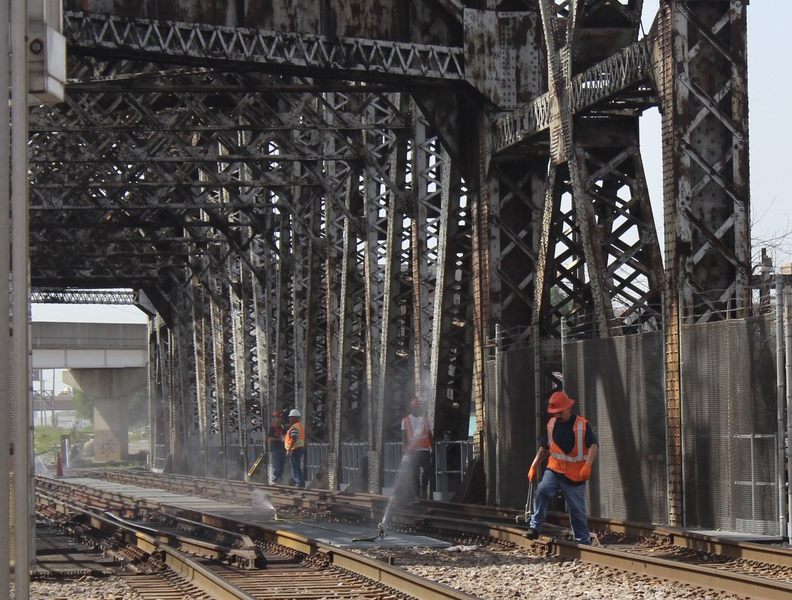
[60, 296]
[599, 251]
[705, 108]
[337, 206]
[316, 55]
[702, 73]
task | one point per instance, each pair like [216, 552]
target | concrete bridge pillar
[111, 390]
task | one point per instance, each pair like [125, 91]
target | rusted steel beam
[701, 59]
[705, 132]
[629, 68]
[83, 297]
[313, 55]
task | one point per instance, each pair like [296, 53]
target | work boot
[531, 533]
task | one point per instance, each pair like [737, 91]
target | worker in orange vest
[570, 447]
[417, 446]
[294, 444]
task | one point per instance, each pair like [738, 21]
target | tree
[84, 404]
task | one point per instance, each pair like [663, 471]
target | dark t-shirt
[277, 431]
[564, 436]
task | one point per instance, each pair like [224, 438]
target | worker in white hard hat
[295, 447]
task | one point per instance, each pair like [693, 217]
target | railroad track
[749, 569]
[183, 559]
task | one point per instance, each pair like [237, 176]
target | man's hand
[585, 471]
[532, 474]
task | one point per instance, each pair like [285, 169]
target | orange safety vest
[299, 442]
[417, 441]
[568, 464]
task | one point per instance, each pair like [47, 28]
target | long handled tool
[528, 505]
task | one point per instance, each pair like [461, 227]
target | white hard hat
[294, 413]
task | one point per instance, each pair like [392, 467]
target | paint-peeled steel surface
[503, 59]
[333, 205]
[397, 20]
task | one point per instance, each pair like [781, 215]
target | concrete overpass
[108, 361]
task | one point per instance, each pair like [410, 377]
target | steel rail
[719, 579]
[668, 569]
[243, 553]
[188, 568]
[437, 516]
[146, 538]
[193, 571]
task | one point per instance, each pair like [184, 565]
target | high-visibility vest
[417, 441]
[568, 464]
[290, 444]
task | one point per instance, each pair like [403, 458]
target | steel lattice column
[704, 100]
[427, 171]
[182, 365]
[240, 353]
[383, 202]
[516, 191]
[260, 258]
[199, 347]
[159, 393]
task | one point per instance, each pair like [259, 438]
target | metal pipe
[681, 518]
[564, 335]
[498, 408]
[780, 382]
[5, 258]
[20, 303]
[788, 355]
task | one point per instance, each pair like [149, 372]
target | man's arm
[541, 456]
[592, 454]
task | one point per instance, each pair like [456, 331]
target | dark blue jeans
[278, 462]
[295, 462]
[575, 498]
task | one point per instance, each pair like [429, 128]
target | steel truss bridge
[336, 206]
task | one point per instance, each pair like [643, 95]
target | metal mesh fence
[511, 424]
[729, 426]
[315, 460]
[619, 385]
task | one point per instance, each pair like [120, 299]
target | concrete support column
[111, 390]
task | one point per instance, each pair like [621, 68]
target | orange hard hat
[277, 413]
[559, 401]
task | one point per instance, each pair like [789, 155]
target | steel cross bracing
[333, 212]
[124, 297]
[203, 44]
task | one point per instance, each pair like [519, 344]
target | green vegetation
[84, 404]
[45, 438]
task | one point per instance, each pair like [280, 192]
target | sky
[770, 127]
[770, 136]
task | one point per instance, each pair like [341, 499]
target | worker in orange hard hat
[276, 437]
[570, 446]
[417, 447]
